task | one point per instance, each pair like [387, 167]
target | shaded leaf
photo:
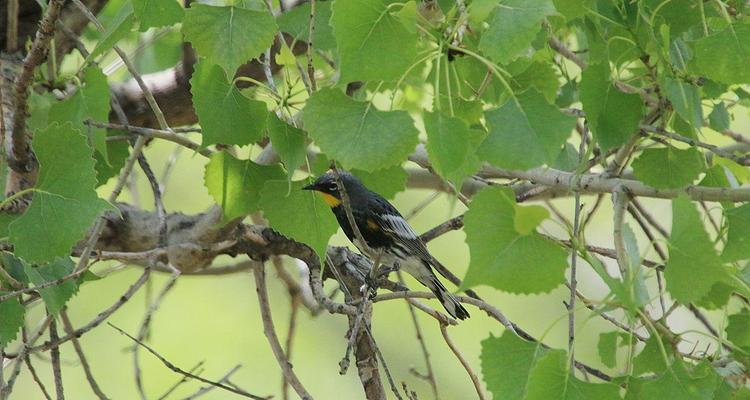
[613, 116]
[356, 134]
[225, 114]
[235, 184]
[691, 254]
[228, 36]
[668, 167]
[502, 257]
[724, 56]
[157, 13]
[452, 146]
[54, 296]
[738, 237]
[301, 215]
[65, 205]
[513, 25]
[374, 43]
[686, 100]
[288, 142]
[11, 319]
[90, 101]
[525, 133]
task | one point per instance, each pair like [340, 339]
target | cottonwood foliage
[490, 88]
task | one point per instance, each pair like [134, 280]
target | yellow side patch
[330, 200]
[372, 225]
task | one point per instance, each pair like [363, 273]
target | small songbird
[386, 233]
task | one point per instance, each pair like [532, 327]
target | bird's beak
[310, 187]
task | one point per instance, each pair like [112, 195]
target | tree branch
[180, 371]
[270, 332]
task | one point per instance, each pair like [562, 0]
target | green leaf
[651, 359]
[668, 167]
[691, 254]
[11, 319]
[228, 36]
[527, 218]
[680, 383]
[54, 296]
[613, 116]
[90, 101]
[551, 379]
[225, 114]
[374, 43]
[717, 297]
[686, 100]
[567, 160]
[356, 134]
[715, 177]
[738, 329]
[452, 146]
[738, 237]
[608, 344]
[571, 9]
[301, 214]
[718, 120]
[507, 362]
[65, 204]
[117, 153]
[296, 23]
[235, 184]
[541, 76]
[513, 25]
[385, 182]
[502, 257]
[289, 143]
[120, 26]
[525, 133]
[724, 56]
[157, 13]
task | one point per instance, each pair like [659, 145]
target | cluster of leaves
[478, 82]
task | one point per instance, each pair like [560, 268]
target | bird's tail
[450, 303]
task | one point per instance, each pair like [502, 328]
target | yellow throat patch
[330, 200]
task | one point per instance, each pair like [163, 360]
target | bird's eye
[333, 186]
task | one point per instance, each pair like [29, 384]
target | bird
[385, 232]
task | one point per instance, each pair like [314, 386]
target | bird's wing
[396, 227]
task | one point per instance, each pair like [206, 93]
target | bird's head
[326, 187]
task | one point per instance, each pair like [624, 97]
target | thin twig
[197, 367]
[736, 136]
[464, 363]
[310, 35]
[176, 369]
[22, 354]
[209, 388]
[32, 370]
[156, 133]
[294, 304]
[380, 357]
[68, 327]
[574, 261]
[662, 255]
[270, 332]
[101, 317]
[55, 361]
[18, 147]
[558, 46]
[430, 376]
[697, 143]
[146, 324]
